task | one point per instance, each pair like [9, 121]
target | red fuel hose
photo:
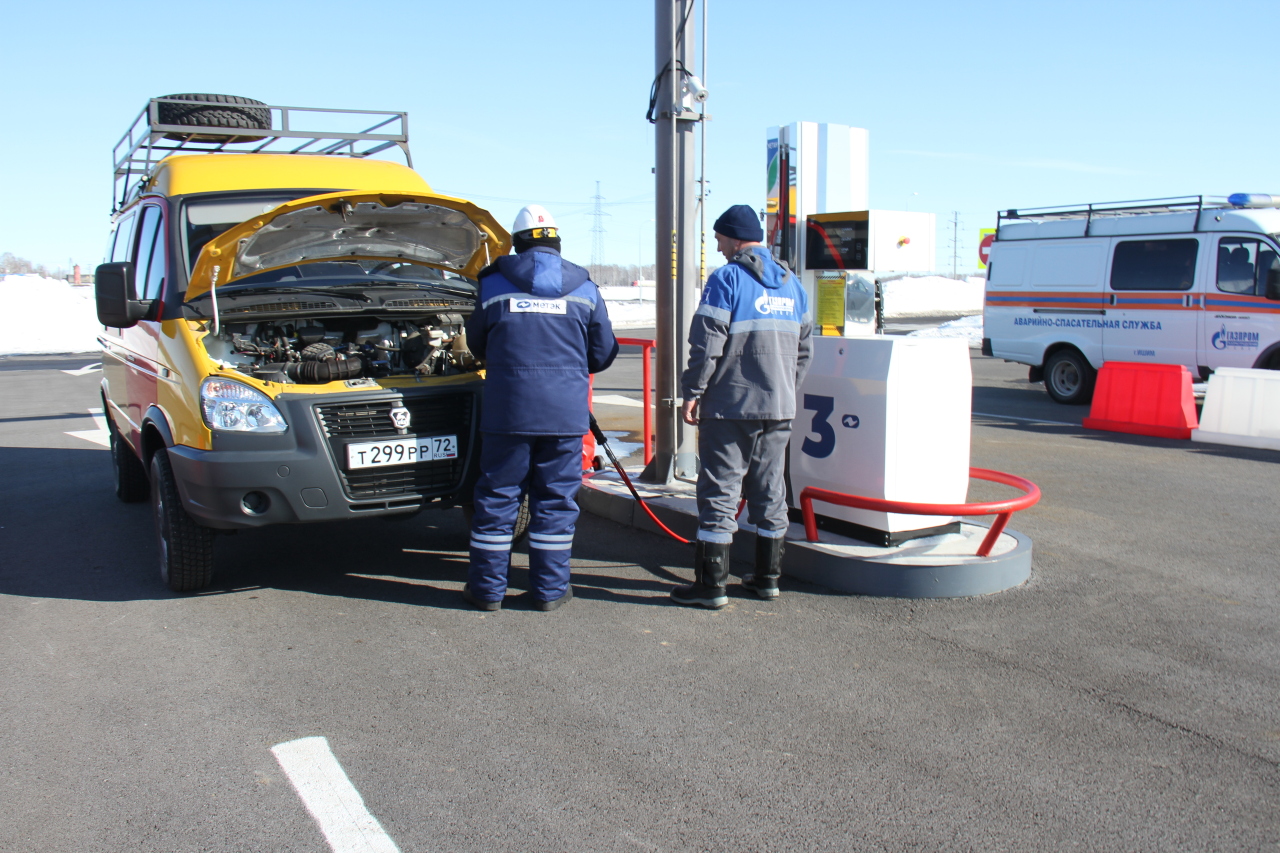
[604, 442]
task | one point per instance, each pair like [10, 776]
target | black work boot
[710, 572]
[764, 580]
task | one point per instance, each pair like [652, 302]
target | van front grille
[430, 414]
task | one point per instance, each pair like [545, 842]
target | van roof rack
[148, 141]
[1176, 204]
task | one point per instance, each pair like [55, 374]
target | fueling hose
[604, 442]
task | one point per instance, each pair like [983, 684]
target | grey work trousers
[742, 459]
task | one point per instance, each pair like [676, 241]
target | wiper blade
[352, 292]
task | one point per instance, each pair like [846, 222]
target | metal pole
[676, 241]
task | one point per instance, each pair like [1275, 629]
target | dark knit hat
[740, 223]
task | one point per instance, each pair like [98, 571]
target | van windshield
[205, 219]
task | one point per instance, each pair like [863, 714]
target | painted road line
[97, 436]
[329, 796]
[616, 400]
[1026, 420]
[88, 368]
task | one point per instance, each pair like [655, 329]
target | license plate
[401, 451]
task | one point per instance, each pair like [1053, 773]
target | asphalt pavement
[1125, 698]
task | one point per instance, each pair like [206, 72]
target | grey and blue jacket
[749, 341]
[541, 327]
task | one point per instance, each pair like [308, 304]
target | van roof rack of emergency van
[1177, 204]
[271, 130]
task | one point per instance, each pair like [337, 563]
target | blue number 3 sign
[822, 407]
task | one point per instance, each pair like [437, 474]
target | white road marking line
[615, 400]
[330, 797]
[97, 436]
[1025, 420]
[88, 368]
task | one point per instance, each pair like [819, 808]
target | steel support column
[677, 237]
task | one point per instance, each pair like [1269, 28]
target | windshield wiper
[350, 292]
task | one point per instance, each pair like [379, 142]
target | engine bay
[317, 350]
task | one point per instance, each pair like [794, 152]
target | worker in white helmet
[541, 327]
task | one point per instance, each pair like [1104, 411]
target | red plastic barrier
[1001, 509]
[1144, 399]
[589, 440]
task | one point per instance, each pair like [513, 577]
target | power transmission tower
[597, 234]
[955, 240]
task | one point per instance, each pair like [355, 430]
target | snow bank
[46, 315]
[932, 296]
[969, 328]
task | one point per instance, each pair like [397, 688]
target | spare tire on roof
[222, 111]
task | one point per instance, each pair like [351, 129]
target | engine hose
[315, 372]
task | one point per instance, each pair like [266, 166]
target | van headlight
[231, 407]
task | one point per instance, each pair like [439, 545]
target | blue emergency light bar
[1253, 200]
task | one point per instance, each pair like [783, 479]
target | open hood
[438, 231]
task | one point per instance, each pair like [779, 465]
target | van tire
[186, 548]
[522, 518]
[1068, 377]
[225, 111]
[132, 485]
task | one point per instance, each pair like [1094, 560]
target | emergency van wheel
[522, 518]
[223, 111]
[132, 485]
[1068, 377]
[186, 548]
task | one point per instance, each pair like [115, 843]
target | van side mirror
[1273, 283]
[113, 291]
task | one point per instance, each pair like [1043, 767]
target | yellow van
[283, 324]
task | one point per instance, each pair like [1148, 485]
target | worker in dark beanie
[749, 347]
[541, 327]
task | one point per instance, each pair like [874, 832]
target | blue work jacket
[541, 327]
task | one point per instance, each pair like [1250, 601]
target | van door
[1238, 321]
[1154, 305]
[115, 372]
[129, 355]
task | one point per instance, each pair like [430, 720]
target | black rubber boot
[710, 573]
[764, 580]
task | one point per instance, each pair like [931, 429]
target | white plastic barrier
[1241, 408]
[884, 417]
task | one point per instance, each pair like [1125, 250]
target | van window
[206, 219]
[1009, 272]
[1066, 265]
[124, 238]
[1243, 265]
[149, 267]
[1154, 265]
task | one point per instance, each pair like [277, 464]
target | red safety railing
[646, 348]
[1001, 509]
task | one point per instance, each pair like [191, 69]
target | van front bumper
[251, 480]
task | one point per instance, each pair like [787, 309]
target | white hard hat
[532, 216]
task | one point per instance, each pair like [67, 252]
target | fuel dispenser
[881, 416]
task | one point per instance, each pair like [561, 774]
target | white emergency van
[1192, 280]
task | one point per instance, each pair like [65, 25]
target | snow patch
[39, 316]
[969, 328]
[932, 296]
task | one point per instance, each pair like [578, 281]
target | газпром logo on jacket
[775, 305]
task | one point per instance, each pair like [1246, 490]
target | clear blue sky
[972, 107]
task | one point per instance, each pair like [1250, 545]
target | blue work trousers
[549, 468]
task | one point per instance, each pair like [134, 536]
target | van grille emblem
[400, 417]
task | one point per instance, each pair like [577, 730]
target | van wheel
[223, 111]
[1068, 377]
[522, 518]
[131, 478]
[186, 548]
